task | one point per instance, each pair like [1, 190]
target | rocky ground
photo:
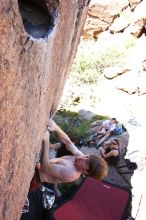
[133, 148]
[133, 140]
[130, 109]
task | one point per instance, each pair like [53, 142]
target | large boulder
[119, 25]
[141, 83]
[112, 72]
[134, 3]
[101, 14]
[38, 44]
[138, 17]
[116, 16]
[128, 82]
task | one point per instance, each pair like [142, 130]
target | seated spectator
[110, 151]
[105, 130]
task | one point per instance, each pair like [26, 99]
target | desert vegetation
[85, 76]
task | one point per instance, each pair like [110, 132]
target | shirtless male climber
[64, 169]
[68, 168]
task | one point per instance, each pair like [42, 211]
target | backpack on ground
[118, 129]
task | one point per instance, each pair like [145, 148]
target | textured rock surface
[101, 14]
[119, 25]
[115, 16]
[130, 73]
[133, 3]
[33, 73]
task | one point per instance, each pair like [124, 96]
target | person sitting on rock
[60, 170]
[105, 130]
[110, 151]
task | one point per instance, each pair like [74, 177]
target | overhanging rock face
[38, 44]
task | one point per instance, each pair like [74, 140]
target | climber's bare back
[60, 170]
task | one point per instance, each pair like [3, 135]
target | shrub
[75, 127]
[90, 60]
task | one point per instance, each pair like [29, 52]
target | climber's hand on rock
[46, 136]
[52, 126]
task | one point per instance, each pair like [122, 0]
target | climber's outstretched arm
[63, 137]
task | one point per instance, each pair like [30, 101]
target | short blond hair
[97, 167]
